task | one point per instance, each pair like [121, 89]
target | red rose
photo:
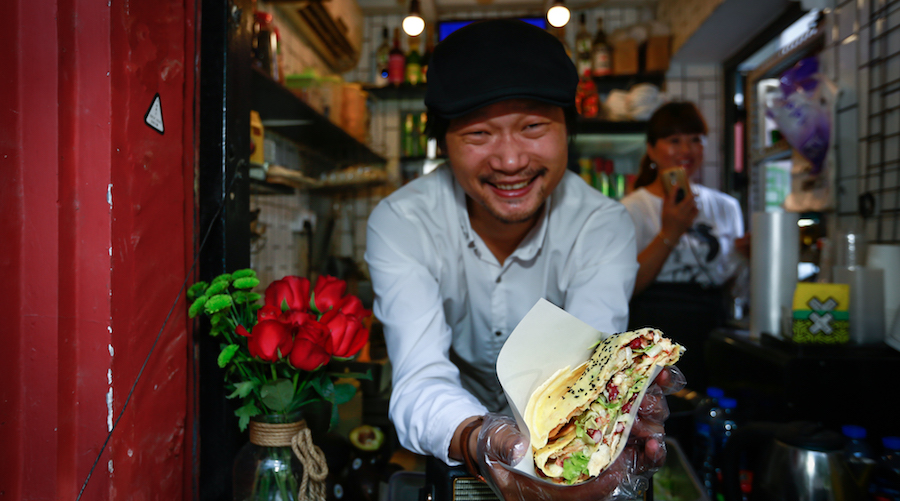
[312, 346]
[267, 338]
[295, 318]
[352, 305]
[328, 292]
[347, 331]
[292, 290]
[268, 312]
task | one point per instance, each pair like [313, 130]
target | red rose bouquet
[274, 354]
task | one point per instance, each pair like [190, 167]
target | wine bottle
[601, 56]
[413, 62]
[429, 48]
[396, 61]
[583, 44]
[382, 56]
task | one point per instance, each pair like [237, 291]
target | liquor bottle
[560, 34]
[429, 48]
[413, 62]
[382, 56]
[886, 485]
[587, 100]
[583, 46]
[721, 427]
[601, 56]
[396, 61]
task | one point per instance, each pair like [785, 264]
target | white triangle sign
[154, 117]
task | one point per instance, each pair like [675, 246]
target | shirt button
[498, 333]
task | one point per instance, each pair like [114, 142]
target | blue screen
[447, 27]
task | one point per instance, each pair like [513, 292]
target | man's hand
[501, 445]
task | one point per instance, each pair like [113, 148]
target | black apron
[686, 313]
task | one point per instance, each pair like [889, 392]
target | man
[458, 257]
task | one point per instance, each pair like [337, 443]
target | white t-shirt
[448, 305]
[705, 254]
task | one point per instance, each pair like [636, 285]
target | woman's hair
[671, 118]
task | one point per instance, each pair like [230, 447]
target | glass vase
[266, 468]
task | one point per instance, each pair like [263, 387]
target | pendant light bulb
[413, 24]
[558, 15]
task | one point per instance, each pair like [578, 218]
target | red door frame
[96, 238]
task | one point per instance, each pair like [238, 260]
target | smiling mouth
[512, 186]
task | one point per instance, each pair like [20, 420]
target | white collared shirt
[448, 305]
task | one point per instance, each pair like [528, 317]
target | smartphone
[675, 179]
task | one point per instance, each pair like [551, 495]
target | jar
[266, 468]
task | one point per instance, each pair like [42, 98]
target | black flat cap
[490, 61]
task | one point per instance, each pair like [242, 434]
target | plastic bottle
[704, 447]
[858, 454]
[702, 418]
[886, 484]
[721, 427]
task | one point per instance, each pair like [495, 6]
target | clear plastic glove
[501, 445]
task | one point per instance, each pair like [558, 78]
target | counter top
[775, 380]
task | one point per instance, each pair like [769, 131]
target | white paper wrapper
[546, 340]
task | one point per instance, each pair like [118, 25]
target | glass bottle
[886, 485]
[583, 45]
[396, 61]
[382, 55]
[587, 100]
[429, 48]
[413, 62]
[268, 472]
[601, 55]
[858, 454]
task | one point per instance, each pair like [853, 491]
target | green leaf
[216, 288]
[196, 290]
[217, 303]
[246, 272]
[278, 394]
[335, 417]
[197, 306]
[245, 413]
[242, 389]
[246, 283]
[575, 466]
[324, 387]
[343, 393]
[226, 354]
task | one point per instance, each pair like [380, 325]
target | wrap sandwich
[580, 419]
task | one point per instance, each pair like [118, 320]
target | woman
[688, 239]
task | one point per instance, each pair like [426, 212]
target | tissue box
[821, 313]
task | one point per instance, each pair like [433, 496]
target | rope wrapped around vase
[298, 437]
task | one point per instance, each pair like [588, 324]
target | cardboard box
[658, 54]
[625, 58]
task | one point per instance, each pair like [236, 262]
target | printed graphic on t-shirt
[694, 260]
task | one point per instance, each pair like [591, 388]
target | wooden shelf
[285, 113]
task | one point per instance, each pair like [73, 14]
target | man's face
[508, 157]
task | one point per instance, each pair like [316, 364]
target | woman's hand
[678, 217]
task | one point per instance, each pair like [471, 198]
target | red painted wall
[97, 235]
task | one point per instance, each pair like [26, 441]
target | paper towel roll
[887, 257]
[774, 255]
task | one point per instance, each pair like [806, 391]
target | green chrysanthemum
[218, 303]
[197, 306]
[224, 277]
[216, 288]
[196, 290]
[227, 354]
[246, 272]
[246, 283]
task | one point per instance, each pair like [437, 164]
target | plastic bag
[803, 112]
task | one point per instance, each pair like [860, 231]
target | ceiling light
[413, 24]
[558, 15]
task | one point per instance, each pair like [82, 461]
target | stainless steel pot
[798, 461]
